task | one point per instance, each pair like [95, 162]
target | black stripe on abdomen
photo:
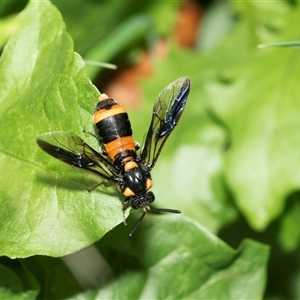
[113, 127]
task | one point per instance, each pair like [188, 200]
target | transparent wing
[167, 110]
[71, 149]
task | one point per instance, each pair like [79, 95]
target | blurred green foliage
[232, 164]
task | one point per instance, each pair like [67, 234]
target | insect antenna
[158, 210]
[169, 210]
[137, 224]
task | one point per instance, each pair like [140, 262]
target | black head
[143, 202]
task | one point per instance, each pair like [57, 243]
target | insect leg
[137, 145]
[97, 185]
[125, 203]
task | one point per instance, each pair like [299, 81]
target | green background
[232, 164]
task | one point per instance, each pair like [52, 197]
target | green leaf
[10, 283]
[169, 257]
[258, 103]
[289, 231]
[8, 27]
[174, 258]
[48, 209]
[11, 286]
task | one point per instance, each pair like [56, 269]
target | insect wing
[71, 149]
[167, 110]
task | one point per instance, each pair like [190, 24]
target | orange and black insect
[118, 161]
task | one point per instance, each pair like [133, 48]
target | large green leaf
[174, 258]
[46, 207]
[169, 257]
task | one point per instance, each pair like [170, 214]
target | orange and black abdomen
[114, 129]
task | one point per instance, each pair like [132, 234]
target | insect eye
[150, 197]
[128, 192]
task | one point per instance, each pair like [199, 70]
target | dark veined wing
[167, 110]
[71, 149]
